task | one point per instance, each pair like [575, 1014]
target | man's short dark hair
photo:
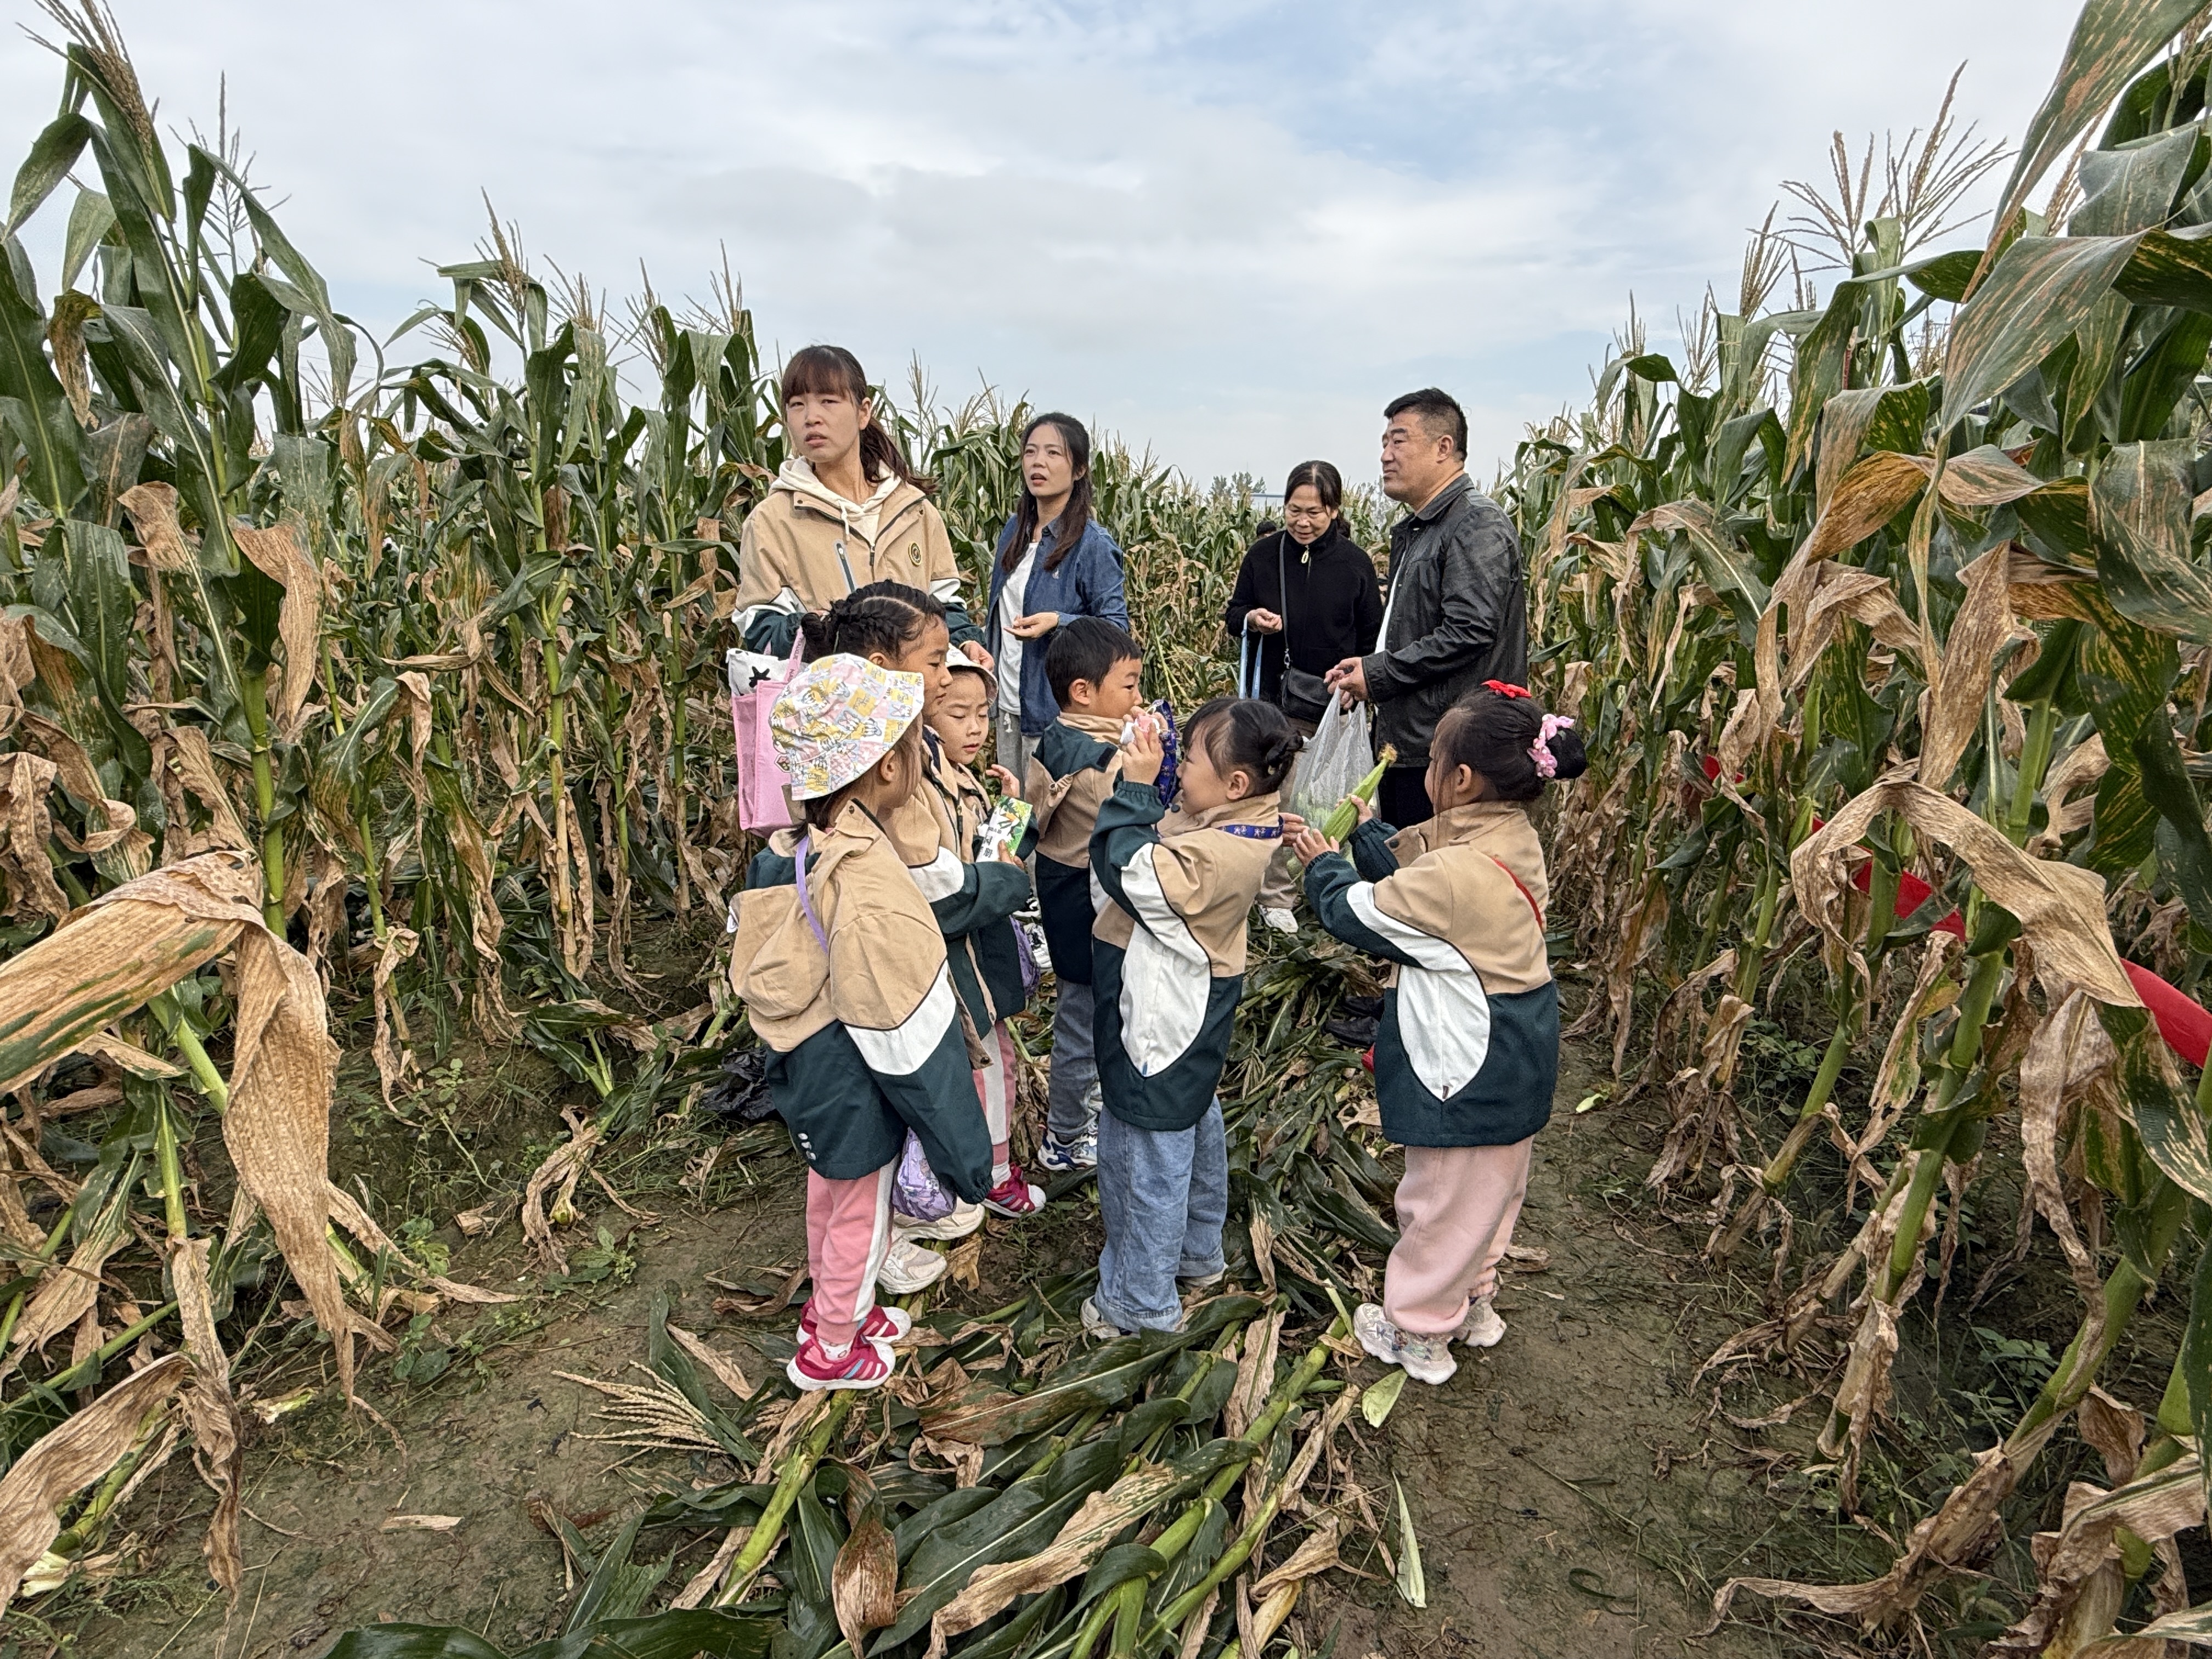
[1439, 411]
[1086, 648]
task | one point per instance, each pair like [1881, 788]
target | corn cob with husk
[1341, 822]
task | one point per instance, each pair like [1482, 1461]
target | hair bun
[1568, 755]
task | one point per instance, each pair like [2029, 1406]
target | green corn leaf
[2041, 291]
[2196, 1358]
[2162, 374]
[53, 153]
[1412, 1583]
[92, 216]
[2184, 848]
[338, 338]
[2133, 189]
[2112, 41]
[1021, 1521]
[2139, 507]
[1375, 1403]
[985, 1415]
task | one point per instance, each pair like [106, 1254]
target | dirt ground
[1570, 1495]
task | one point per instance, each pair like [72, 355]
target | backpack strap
[806, 904]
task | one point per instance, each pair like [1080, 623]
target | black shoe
[1362, 1007]
[1352, 1029]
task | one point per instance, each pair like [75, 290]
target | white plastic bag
[1336, 758]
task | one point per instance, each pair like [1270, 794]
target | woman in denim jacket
[1054, 560]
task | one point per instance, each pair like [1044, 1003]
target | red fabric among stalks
[2187, 1027]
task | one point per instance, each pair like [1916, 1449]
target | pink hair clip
[1541, 751]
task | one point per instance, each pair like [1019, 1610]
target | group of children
[880, 955]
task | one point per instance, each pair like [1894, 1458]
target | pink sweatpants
[848, 1234]
[994, 1088]
[1457, 1206]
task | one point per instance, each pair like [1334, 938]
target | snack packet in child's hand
[1164, 712]
[1003, 829]
[1160, 721]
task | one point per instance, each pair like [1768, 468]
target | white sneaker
[963, 1220]
[1425, 1359]
[1096, 1326]
[1282, 920]
[1482, 1328]
[909, 1267]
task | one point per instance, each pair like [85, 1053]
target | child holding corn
[1468, 1052]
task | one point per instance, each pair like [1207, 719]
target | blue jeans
[1164, 1194]
[1072, 1092]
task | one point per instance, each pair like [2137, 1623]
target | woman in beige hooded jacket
[846, 510]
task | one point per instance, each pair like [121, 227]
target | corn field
[340, 671]
[1894, 647]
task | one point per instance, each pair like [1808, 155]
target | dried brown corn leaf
[152, 509]
[725, 1368]
[348, 1213]
[864, 1581]
[119, 846]
[2060, 908]
[27, 825]
[72, 1457]
[275, 552]
[68, 1290]
[209, 1410]
[561, 1169]
[1317, 1554]
[2080, 1583]
[193, 762]
[1960, 685]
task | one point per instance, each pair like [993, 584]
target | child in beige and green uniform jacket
[1168, 950]
[1468, 1052]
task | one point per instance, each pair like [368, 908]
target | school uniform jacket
[1468, 1052]
[864, 1040]
[973, 899]
[1072, 770]
[1168, 948]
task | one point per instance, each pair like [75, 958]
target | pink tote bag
[763, 800]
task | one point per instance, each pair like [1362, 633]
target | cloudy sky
[1225, 229]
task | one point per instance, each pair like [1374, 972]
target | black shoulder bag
[1303, 696]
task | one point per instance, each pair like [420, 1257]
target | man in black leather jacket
[1456, 610]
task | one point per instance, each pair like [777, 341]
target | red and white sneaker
[865, 1365]
[1014, 1196]
[888, 1325]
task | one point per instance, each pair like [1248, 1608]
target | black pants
[1403, 799]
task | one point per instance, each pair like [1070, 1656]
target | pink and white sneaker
[887, 1325]
[1014, 1196]
[866, 1364]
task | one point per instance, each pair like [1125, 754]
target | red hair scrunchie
[1505, 690]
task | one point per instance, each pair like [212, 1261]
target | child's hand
[1363, 808]
[1009, 785]
[1007, 855]
[1142, 757]
[1307, 843]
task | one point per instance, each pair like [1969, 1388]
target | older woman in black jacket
[1306, 598]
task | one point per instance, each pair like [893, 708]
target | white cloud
[1231, 230]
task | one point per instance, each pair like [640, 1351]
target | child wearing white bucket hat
[842, 970]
